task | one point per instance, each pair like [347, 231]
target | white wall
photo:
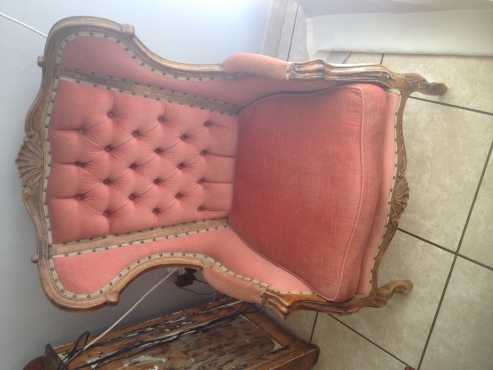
[193, 31]
[314, 8]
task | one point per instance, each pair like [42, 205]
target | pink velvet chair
[283, 182]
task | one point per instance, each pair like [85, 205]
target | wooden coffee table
[224, 334]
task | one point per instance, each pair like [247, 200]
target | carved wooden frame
[33, 156]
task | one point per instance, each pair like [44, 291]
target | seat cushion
[313, 177]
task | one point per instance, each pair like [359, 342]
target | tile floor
[445, 241]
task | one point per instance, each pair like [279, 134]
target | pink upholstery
[391, 106]
[256, 64]
[104, 56]
[96, 137]
[124, 163]
[88, 273]
[312, 172]
[303, 176]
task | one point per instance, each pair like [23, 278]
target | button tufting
[80, 196]
[175, 171]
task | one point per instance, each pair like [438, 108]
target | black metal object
[186, 278]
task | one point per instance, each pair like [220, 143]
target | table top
[224, 334]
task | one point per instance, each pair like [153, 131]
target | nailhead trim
[206, 261]
[223, 225]
[390, 193]
[160, 94]
[47, 150]
[169, 71]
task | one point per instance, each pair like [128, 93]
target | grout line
[425, 240]
[476, 194]
[475, 262]
[292, 32]
[347, 57]
[456, 255]
[445, 249]
[369, 340]
[435, 317]
[452, 105]
[313, 326]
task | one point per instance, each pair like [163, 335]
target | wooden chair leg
[418, 83]
[385, 292]
[433, 88]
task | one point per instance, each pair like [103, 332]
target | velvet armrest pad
[256, 64]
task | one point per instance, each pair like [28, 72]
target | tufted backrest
[134, 146]
[122, 162]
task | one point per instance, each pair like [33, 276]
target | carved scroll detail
[30, 162]
[319, 70]
[374, 73]
[418, 83]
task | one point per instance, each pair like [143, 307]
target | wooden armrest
[370, 73]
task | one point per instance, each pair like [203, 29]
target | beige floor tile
[300, 323]
[402, 326]
[470, 80]
[478, 241]
[463, 335]
[339, 57]
[342, 349]
[446, 149]
[334, 57]
[365, 58]
[299, 51]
